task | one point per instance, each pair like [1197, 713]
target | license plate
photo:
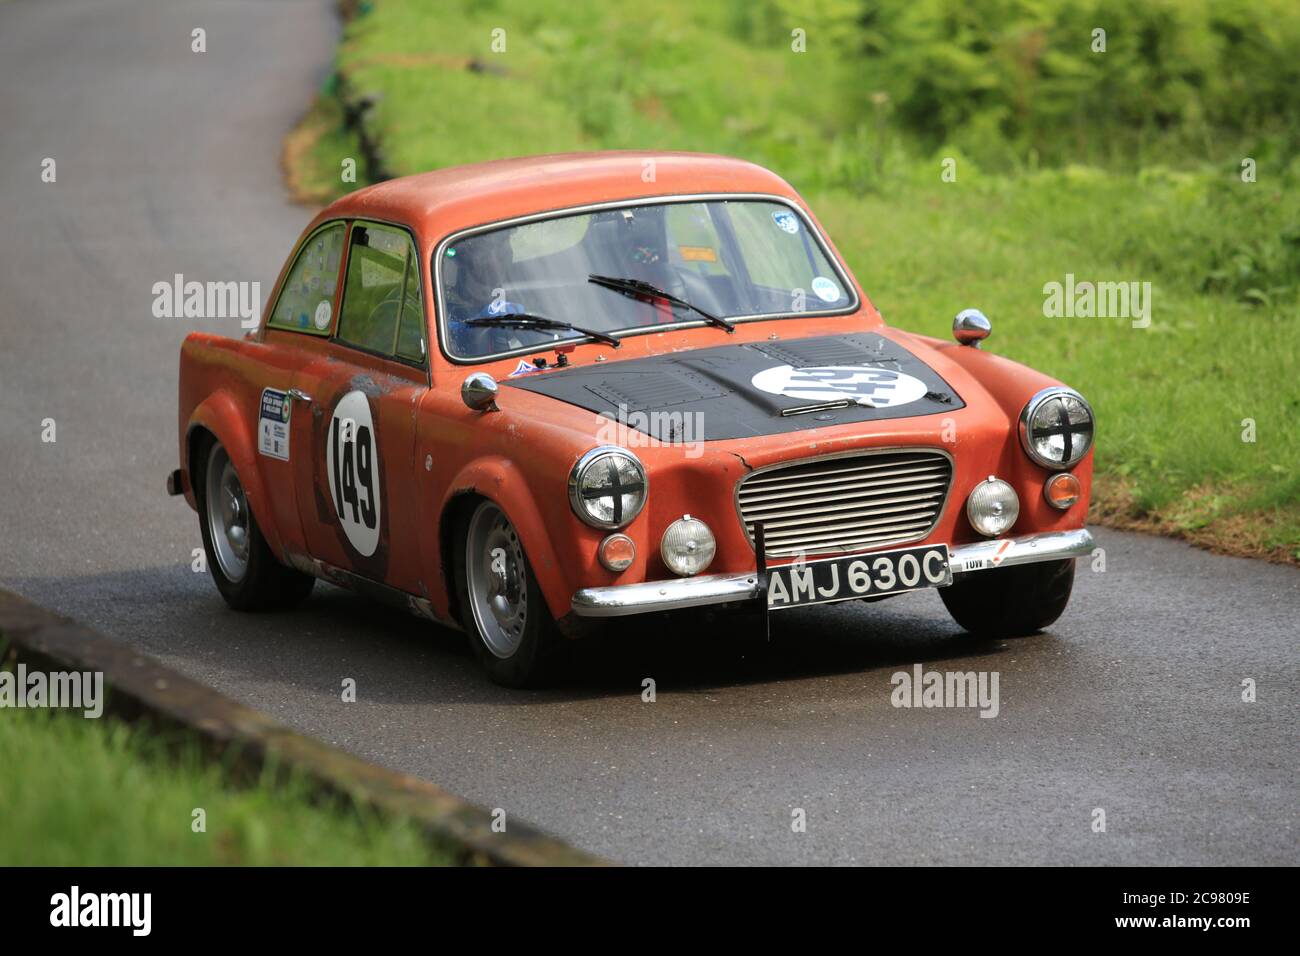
[858, 576]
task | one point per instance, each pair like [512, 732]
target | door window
[381, 310]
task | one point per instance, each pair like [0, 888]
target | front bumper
[650, 596]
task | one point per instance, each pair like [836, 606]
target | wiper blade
[639, 287]
[527, 320]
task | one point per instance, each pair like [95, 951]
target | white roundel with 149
[863, 384]
[352, 464]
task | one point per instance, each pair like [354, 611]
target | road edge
[142, 689]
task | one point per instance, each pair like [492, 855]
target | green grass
[1223, 256]
[313, 153]
[78, 792]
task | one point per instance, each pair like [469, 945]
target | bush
[1014, 82]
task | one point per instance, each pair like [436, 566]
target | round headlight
[688, 546]
[1056, 427]
[607, 487]
[992, 507]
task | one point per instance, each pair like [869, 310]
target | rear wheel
[501, 605]
[245, 570]
[1010, 602]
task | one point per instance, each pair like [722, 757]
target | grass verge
[1196, 411]
[78, 792]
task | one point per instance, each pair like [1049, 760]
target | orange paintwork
[521, 456]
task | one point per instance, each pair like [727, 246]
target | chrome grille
[846, 503]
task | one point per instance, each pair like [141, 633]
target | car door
[296, 329]
[356, 490]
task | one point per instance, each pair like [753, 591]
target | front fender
[1010, 385]
[219, 414]
[1008, 382]
[498, 479]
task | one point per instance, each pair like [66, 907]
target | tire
[1011, 602]
[500, 604]
[246, 572]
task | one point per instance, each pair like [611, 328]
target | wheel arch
[499, 480]
[218, 418]
[459, 505]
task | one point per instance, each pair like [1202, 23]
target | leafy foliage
[1016, 82]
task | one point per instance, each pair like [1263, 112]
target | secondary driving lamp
[992, 507]
[688, 546]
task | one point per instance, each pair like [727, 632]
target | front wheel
[1011, 602]
[501, 604]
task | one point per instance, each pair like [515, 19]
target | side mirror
[479, 392]
[971, 327]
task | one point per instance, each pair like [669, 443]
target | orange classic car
[524, 397]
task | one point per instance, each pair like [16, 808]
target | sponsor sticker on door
[273, 424]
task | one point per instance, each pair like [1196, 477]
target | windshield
[722, 259]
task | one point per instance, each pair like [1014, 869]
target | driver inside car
[476, 274]
[478, 270]
[647, 258]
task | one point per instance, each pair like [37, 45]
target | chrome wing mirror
[479, 392]
[971, 327]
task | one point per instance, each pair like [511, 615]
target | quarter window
[307, 298]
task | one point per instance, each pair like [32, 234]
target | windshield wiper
[639, 287]
[527, 320]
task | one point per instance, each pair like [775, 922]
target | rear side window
[306, 300]
[381, 310]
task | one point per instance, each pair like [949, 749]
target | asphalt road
[168, 162]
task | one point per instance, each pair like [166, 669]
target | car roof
[458, 197]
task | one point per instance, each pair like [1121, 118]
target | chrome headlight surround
[1072, 403]
[609, 467]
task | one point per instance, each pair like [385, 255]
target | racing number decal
[352, 464]
[866, 385]
[353, 460]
